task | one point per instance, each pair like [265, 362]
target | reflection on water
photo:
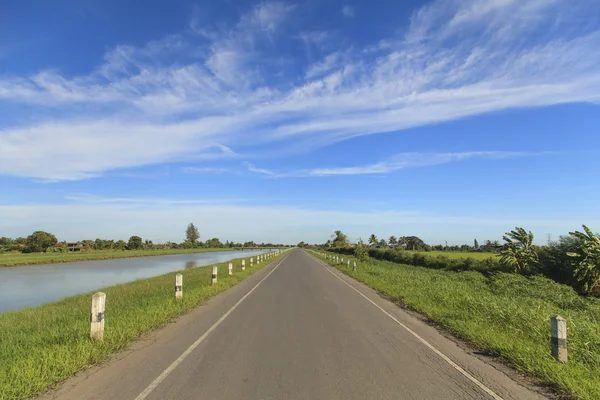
[32, 285]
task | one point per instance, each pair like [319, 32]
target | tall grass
[9, 260]
[505, 314]
[44, 345]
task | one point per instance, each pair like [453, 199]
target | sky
[284, 121]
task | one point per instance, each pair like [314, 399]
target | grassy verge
[455, 254]
[505, 314]
[42, 346]
[10, 260]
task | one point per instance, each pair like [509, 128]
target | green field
[42, 346]
[9, 260]
[455, 254]
[507, 315]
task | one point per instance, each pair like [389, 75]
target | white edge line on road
[186, 353]
[425, 342]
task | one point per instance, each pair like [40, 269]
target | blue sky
[284, 121]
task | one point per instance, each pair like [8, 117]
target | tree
[301, 244]
[99, 244]
[135, 243]
[393, 241]
[192, 235]
[518, 251]
[39, 241]
[382, 243]
[339, 239]
[475, 244]
[373, 240]
[414, 243]
[120, 245]
[587, 271]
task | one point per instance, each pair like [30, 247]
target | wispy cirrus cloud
[173, 98]
[395, 163]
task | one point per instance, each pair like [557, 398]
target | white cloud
[174, 98]
[165, 219]
[348, 11]
[395, 163]
[206, 170]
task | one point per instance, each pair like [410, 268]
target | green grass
[42, 346]
[505, 314]
[10, 259]
[455, 254]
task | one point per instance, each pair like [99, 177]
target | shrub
[361, 253]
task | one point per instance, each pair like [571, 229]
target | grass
[455, 254]
[10, 259]
[42, 346]
[506, 314]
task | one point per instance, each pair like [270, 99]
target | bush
[361, 253]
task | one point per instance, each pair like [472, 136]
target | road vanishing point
[296, 329]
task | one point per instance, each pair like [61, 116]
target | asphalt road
[296, 330]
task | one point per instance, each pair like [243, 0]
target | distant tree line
[40, 241]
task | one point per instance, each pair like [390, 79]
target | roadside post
[558, 328]
[230, 269]
[214, 275]
[243, 265]
[97, 316]
[178, 286]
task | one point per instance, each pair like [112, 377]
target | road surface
[297, 329]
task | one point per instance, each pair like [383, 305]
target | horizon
[282, 122]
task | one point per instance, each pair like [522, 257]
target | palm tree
[393, 241]
[373, 240]
[382, 243]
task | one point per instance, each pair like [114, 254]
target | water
[29, 286]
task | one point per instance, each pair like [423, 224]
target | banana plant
[518, 251]
[587, 271]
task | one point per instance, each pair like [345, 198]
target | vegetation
[573, 260]
[135, 243]
[9, 260]
[39, 241]
[42, 346]
[518, 251]
[506, 314]
[192, 236]
[43, 247]
[587, 270]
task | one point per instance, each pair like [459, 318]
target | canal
[32, 285]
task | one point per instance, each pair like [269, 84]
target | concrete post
[97, 316]
[558, 328]
[178, 286]
[243, 265]
[354, 267]
[214, 275]
[230, 269]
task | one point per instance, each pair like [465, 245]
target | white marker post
[214, 275]
[230, 269]
[354, 267]
[97, 316]
[558, 328]
[348, 263]
[178, 286]
[243, 265]
[251, 262]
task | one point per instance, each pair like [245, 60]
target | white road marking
[425, 342]
[186, 353]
